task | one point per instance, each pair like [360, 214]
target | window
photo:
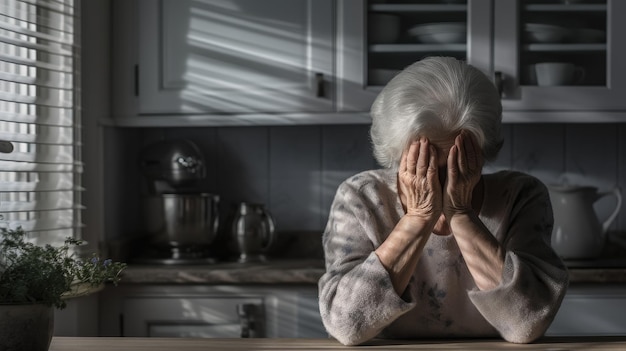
[40, 180]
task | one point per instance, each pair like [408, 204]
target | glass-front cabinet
[376, 39]
[559, 59]
[565, 55]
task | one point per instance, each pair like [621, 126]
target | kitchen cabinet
[290, 311]
[591, 39]
[204, 58]
[591, 310]
[365, 65]
[242, 62]
[192, 316]
[210, 311]
[504, 49]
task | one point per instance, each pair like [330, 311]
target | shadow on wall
[252, 56]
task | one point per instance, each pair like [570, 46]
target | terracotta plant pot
[26, 327]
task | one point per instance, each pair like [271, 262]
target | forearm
[357, 302]
[400, 252]
[483, 254]
[528, 298]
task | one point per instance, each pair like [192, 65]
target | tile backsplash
[295, 170]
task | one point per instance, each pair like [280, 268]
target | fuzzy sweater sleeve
[357, 299]
[534, 280]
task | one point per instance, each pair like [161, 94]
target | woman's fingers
[453, 164]
[412, 157]
[433, 167]
[420, 181]
[472, 151]
[420, 163]
[469, 159]
[423, 159]
[402, 167]
[461, 154]
[417, 158]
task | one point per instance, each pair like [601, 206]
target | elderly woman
[429, 246]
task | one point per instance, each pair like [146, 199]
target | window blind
[40, 180]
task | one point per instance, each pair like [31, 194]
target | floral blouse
[358, 301]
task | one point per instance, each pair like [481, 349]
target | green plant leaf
[46, 274]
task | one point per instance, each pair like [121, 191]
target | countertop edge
[138, 343]
[291, 272]
[275, 272]
[597, 275]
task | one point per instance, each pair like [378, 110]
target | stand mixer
[180, 221]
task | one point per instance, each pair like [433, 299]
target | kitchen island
[168, 344]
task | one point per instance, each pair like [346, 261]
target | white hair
[435, 97]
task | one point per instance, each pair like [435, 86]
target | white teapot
[577, 232]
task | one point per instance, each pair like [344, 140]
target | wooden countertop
[168, 344]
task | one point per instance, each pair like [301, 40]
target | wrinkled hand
[465, 163]
[419, 181]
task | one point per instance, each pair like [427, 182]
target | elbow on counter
[342, 327]
[530, 327]
[348, 327]
[534, 326]
[522, 334]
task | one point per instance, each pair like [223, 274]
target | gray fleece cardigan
[358, 302]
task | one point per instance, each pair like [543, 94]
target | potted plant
[34, 280]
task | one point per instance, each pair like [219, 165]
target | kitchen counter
[597, 275]
[295, 272]
[158, 344]
[271, 272]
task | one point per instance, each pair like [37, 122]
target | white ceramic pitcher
[578, 233]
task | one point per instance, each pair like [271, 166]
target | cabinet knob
[319, 85]
[6, 147]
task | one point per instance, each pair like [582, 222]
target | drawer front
[194, 317]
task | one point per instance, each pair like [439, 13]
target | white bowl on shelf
[439, 33]
[545, 33]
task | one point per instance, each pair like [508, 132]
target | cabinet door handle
[246, 312]
[6, 147]
[499, 82]
[319, 85]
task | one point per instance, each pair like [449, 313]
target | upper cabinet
[377, 39]
[230, 62]
[227, 56]
[569, 56]
[553, 60]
